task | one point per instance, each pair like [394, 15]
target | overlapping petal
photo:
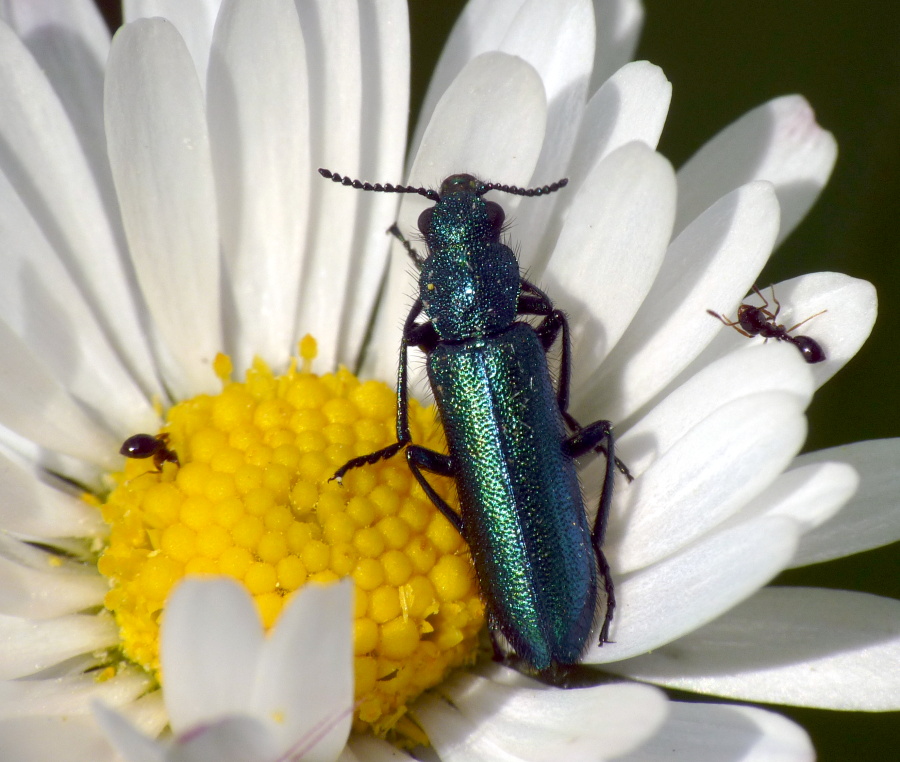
[832, 649]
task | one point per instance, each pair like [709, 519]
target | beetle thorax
[470, 292]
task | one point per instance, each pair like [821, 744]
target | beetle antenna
[516, 191]
[378, 187]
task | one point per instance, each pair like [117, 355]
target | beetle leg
[535, 302]
[418, 259]
[373, 457]
[550, 327]
[606, 576]
[584, 441]
[437, 463]
[600, 448]
[581, 442]
[413, 333]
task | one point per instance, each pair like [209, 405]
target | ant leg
[768, 313]
[730, 323]
[805, 321]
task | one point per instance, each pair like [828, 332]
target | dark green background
[723, 59]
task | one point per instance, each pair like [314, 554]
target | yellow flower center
[250, 497]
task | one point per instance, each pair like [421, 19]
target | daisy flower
[170, 254]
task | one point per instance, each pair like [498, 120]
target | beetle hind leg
[599, 435]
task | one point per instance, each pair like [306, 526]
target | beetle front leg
[417, 335]
[418, 259]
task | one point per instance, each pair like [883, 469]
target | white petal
[717, 732]
[710, 473]
[370, 749]
[491, 123]
[537, 724]
[56, 185]
[850, 308]
[832, 649]
[455, 737]
[565, 66]
[522, 29]
[773, 368]
[259, 137]
[870, 519]
[29, 507]
[38, 22]
[565, 69]
[159, 153]
[851, 304]
[385, 114]
[611, 247]
[808, 494]
[148, 713]
[30, 646]
[71, 695]
[37, 585]
[37, 739]
[209, 623]
[331, 32]
[663, 602]
[232, 739]
[480, 28]
[42, 305]
[486, 25]
[194, 22]
[726, 245]
[36, 406]
[306, 671]
[779, 142]
[70, 42]
[631, 105]
[133, 745]
[619, 24]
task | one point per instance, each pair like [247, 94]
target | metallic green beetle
[540, 566]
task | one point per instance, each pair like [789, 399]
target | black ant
[142, 446]
[759, 321]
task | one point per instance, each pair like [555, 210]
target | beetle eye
[424, 222]
[496, 217]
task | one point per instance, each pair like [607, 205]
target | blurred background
[724, 59]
